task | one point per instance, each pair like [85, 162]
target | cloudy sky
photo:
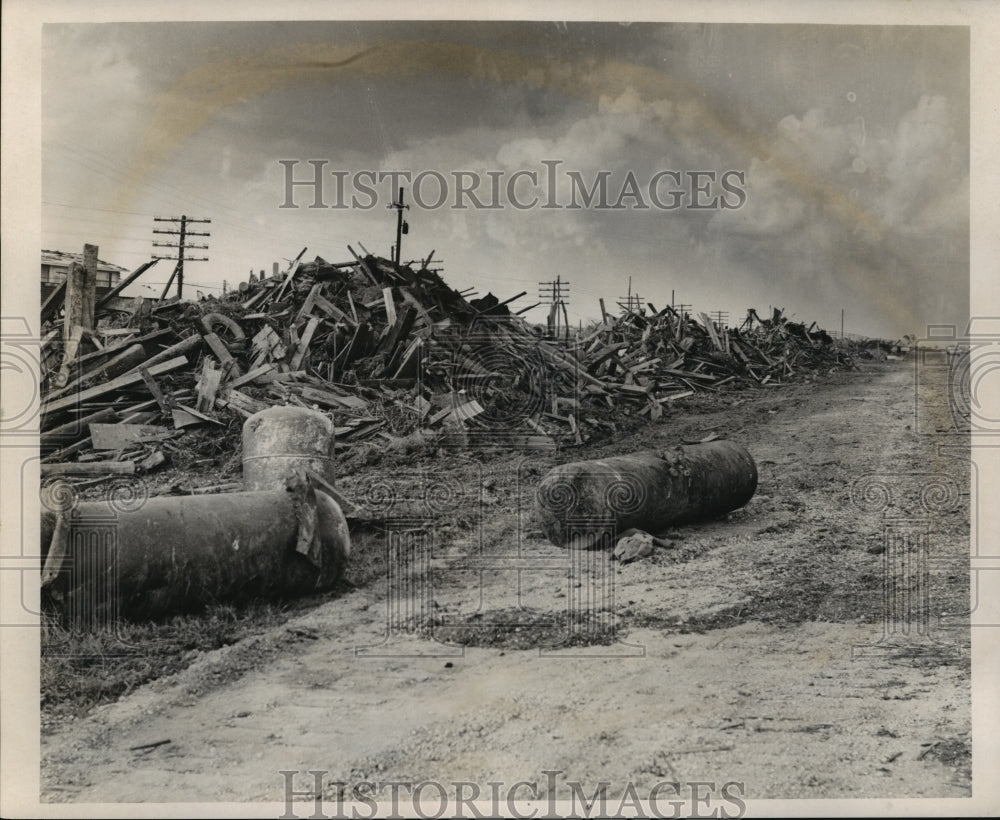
[852, 145]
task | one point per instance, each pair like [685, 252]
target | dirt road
[754, 650]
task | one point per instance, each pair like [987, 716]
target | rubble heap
[389, 351]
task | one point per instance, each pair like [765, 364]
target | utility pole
[555, 293]
[721, 318]
[632, 302]
[402, 227]
[683, 309]
[181, 246]
[841, 323]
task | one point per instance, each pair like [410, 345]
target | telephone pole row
[181, 245]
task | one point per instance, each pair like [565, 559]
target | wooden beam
[118, 436]
[293, 268]
[390, 306]
[54, 301]
[128, 280]
[89, 468]
[77, 429]
[181, 348]
[89, 285]
[304, 341]
[208, 386]
[69, 355]
[333, 399]
[154, 389]
[126, 380]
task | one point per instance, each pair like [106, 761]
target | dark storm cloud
[854, 140]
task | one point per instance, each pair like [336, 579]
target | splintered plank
[674, 396]
[74, 430]
[334, 312]
[396, 332]
[89, 468]
[390, 306]
[222, 353]
[304, 342]
[154, 388]
[293, 269]
[332, 399]
[118, 436]
[242, 403]
[410, 361]
[126, 380]
[208, 386]
[187, 416]
[363, 267]
[252, 375]
[354, 348]
[307, 305]
[267, 344]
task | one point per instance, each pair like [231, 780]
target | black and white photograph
[491, 410]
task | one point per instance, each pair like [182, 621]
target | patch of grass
[520, 629]
[955, 752]
[81, 670]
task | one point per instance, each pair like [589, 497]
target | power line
[110, 171]
[556, 294]
[632, 302]
[181, 245]
[92, 208]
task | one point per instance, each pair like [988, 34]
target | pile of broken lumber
[388, 350]
[655, 357]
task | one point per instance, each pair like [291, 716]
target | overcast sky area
[852, 145]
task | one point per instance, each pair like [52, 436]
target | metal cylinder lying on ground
[177, 553]
[278, 440]
[587, 503]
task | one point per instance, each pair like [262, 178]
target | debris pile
[389, 351]
[651, 359]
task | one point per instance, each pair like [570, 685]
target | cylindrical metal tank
[278, 440]
[177, 553]
[586, 503]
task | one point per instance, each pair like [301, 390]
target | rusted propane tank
[174, 553]
[587, 503]
[278, 440]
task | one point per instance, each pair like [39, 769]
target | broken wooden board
[329, 399]
[218, 347]
[390, 306]
[241, 402]
[208, 386]
[304, 342]
[252, 375]
[267, 344]
[452, 414]
[117, 436]
[125, 380]
[187, 416]
[88, 468]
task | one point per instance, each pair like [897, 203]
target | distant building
[55, 265]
